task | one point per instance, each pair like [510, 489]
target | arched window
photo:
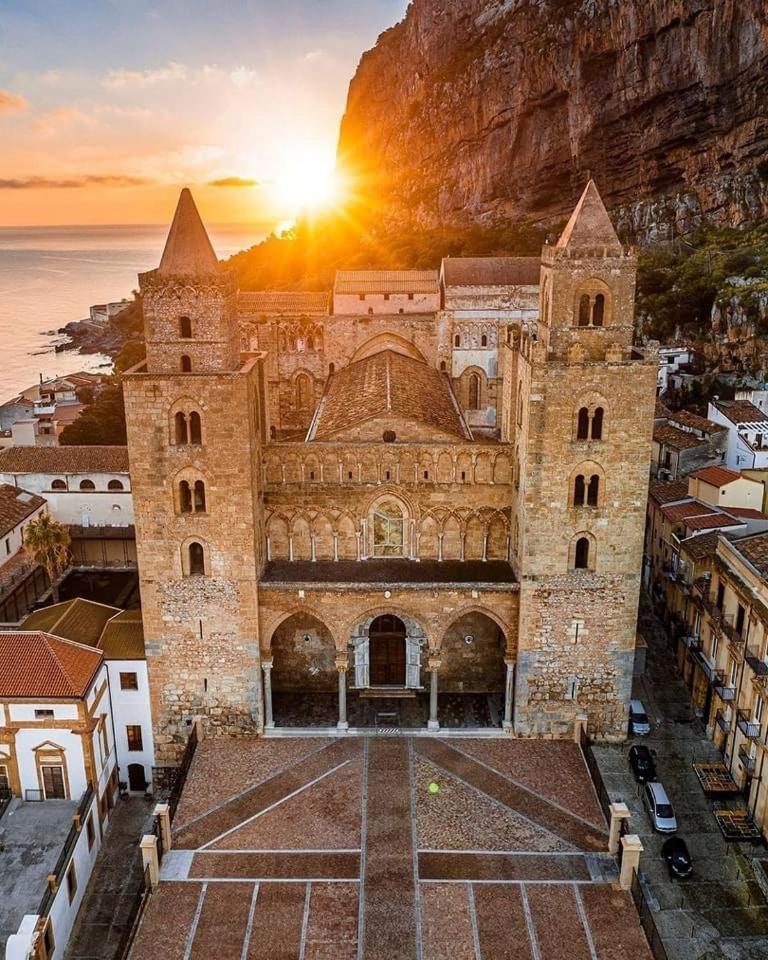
[581, 556]
[185, 497]
[59, 485]
[443, 366]
[584, 310]
[597, 424]
[598, 311]
[457, 341]
[484, 341]
[185, 328]
[474, 391]
[186, 364]
[180, 425]
[195, 428]
[303, 392]
[578, 491]
[582, 427]
[331, 368]
[388, 530]
[196, 559]
[115, 485]
[310, 343]
[87, 485]
[199, 496]
[370, 311]
[593, 490]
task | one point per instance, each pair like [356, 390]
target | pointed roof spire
[188, 251]
[590, 226]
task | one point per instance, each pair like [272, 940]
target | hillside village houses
[747, 433]
[684, 442]
[38, 415]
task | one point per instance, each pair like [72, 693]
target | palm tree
[46, 543]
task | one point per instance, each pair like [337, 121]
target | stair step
[387, 693]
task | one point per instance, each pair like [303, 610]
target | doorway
[136, 781]
[387, 651]
[53, 782]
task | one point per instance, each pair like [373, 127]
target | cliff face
[482, 110]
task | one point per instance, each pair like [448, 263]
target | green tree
[46, 543]
[103, 422]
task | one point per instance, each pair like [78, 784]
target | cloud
[11, 101]
[87, 180]
[117, 79]
[242, 76]
[233, 182]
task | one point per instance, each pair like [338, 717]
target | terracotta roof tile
[746, 513]
[123, 637]
[491, 271]
[282, 303]
[755, 550]
[15, 506]
[668, 491]
[716, 476]
[689, 508]
[675, 438]
[740, 411]
[712, 522]
[79, 620]
[39, 665]
[387, 383]
[685, 418]
[386, 281]
[701, 546]
[52, 460]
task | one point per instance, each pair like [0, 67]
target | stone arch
[195, 557]
[359, 626]
[473, 389]
[347, 539]
[303, 651]
[497, 547]
[301, 538]
[274, 470]
[483, 468]
[452, 534]
[474, 538]
[303, 391]
[464, 468]
[590, 416]
[427, 472]
[593, 304]
[428, 538]
[586, 485]
[389, 471]
[387, 341]
[472, 655]
[369, 468]
[191, 491]
[277, 533]
[311, 468]
[502, 469]
[291, 468]
[389, 525]
[181, 428]
[322, 532]
[444, 467]
[582, 552]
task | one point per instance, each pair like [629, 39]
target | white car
[638, 719]
[659, 808]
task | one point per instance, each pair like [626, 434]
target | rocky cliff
[483, 110]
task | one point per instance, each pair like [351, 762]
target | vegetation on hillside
[102, 422]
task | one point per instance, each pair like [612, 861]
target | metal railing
[647, 919]
[746, 760]
[67, 850]
[181, 774]
[722, 723]
[594, 772]
[750, 728]
[141, 897]
[725, 690]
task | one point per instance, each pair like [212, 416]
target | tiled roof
[278, 302]
[67, 412]
[668, 491]
[386, 281]
[740, 411]
[712, 522]
[15, 506]
[675, 512]
[675, 438]
[590, 226]
[38, 665]
[701, 546]
[387, 384]
[52, 460]
[716, 476]
[491, 271]
[746, 513]
[755, 550]
[661, 411]
[685, 418]
[123, 637]
[79, 620]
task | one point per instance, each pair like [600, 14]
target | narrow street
[719, 912]
[114, 882]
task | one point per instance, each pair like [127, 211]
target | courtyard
[385, 848]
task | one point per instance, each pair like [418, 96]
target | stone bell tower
[195, 415]
[583, 404]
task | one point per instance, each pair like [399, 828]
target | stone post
[579, 723]
[149, 858]
[630, 859]
[509, 687]
[619, 812]
[434, 665]
[163, 814]
[197, 723]
[342, 665]
[269, 723]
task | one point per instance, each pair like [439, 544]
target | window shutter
[412, 662]
[362, 663]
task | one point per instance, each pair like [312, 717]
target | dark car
[642, 764]
[679, 863]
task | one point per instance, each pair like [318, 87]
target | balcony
[750, 728]
[725, 725]
[758, 666]
[746, 761]
[726, 691]
[692, 641]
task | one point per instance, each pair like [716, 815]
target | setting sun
[307, 181]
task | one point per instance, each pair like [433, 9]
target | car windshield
[639, 717]
[664, 810]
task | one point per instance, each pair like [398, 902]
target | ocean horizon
[50, 276]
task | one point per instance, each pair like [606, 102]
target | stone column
[269, 723]
[630, 859]
[149, 858]
[434, 665]
[342, 665]
[509, 688]
[619, 812]
[580, 722]
[163, 815]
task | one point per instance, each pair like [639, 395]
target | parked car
[659, 808]
[642, 764]
[638, 719]
[679, 863]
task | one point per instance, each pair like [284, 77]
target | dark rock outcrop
[482, 110]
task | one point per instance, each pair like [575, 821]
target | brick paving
[391, 886]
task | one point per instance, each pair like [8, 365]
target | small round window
[389, 436]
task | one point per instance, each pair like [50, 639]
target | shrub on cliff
[102, 422]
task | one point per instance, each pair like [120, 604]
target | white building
[84, 486]
[119, 636]
[357, 292]
[671, 359]
[757, 397]
[17, 508]
[747, 433]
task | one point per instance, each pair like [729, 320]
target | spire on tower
[188, 251]
[590, 226]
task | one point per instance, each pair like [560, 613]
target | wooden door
[53, 783]
[387, 651]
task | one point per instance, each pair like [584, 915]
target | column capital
[434, 662]
[266, 664]
[342, 664]
[510, 661]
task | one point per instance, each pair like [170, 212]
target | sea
[52, 275]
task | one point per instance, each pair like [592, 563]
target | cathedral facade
[416, 501]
